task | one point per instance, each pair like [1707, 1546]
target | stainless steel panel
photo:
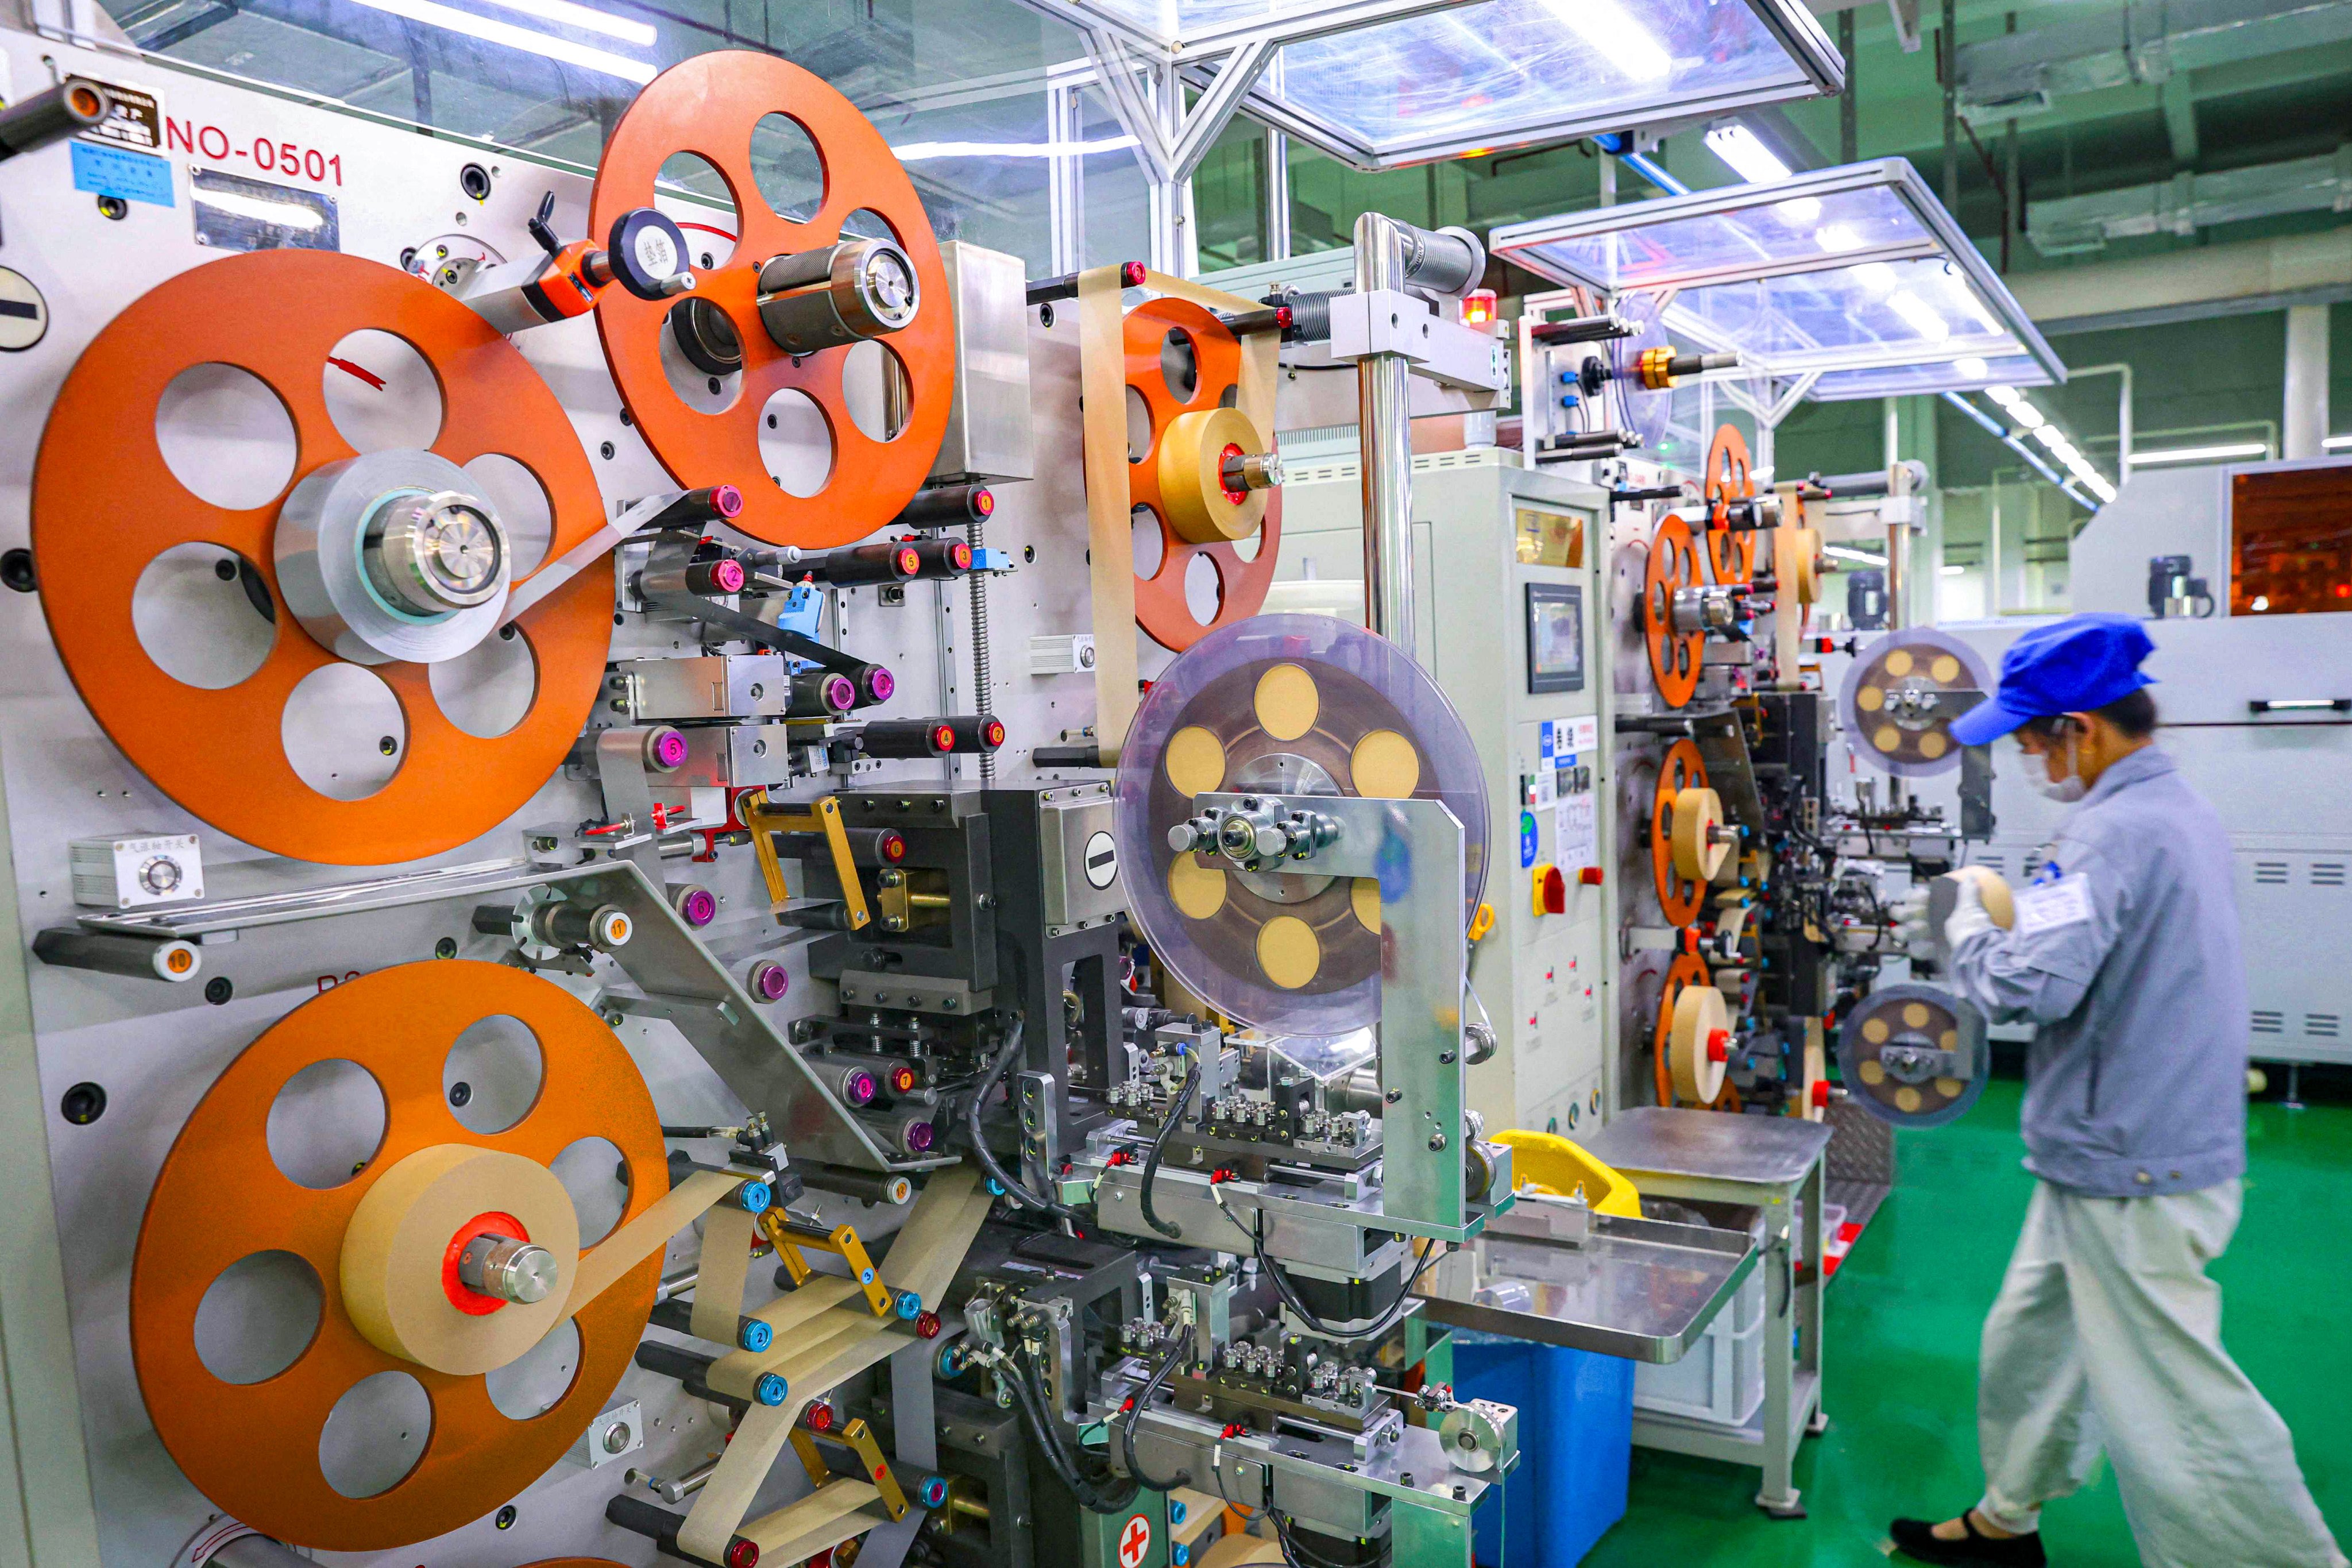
[1708, 1146]
[989, 422]
[1635, 1288]
[1081, 869]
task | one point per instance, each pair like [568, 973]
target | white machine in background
[2240, 572]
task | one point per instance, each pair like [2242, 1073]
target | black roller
[897, 561]
[73, 106]
[948, 506]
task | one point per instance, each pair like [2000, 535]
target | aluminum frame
[1519, 243]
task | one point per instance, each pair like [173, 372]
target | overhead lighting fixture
[563, 51]
[1748, 157]
[1799, 210]
[2337, 442]
[1922, 317]
[2028, 415]
[1837, 238]
[2049, 435]
[1877, 275]
[916, 152]
[2200, 454]
[1621, 40]
[1955, 571]
[565, 13]
[2100, 488]
[1972, 368]
[2007, 397]
[1843, 553]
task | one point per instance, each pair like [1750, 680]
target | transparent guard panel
[1925, 305]
[1325, 1057]
[1507, 69]
[1799, 231]
[1896, 381]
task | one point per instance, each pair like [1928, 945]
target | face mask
[2065, 788]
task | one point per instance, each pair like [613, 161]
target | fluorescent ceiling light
[570, 16]
[2200, 454]
[2335, 443]
[1799, 210]
[561, 51]
[2101, 489]
[1749, 158]
[1923, 319]
[2007, 397]
[1955, 571]
[284, 215]
[2050, 436]
[1973, 368]
[1623, 41]
[1876, 273]
[1837, 237]
[916, 152]
[1843, 553]
[2025, 414]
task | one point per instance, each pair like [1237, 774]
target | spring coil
[983, 691]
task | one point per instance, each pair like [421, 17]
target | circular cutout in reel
[1674, 655]
[1682, 776]
[1190, 436]
[254, 1449]
[1732, 553]
[1684, 1038]
[106, 503]
[1914, 1055]
[1299, 706]
[709, 106]
[1901, 695]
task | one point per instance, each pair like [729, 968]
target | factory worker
[2106, 1334]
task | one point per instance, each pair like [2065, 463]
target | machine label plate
[113, 172]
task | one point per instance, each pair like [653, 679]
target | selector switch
[1550, 891]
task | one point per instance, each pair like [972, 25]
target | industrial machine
[527, 1015]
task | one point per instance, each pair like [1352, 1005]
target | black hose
[1013, 1189]
[1160, 1146]
[1126, 1427]
[1043, 1428]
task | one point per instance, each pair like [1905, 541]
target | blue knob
[910, 1305]
[756, 1335]
[1175, 1510]
[952, 1361]
[932, 1492]
[1568, 400]
[1178, 1554]
[770, 1389]
[755, 1196]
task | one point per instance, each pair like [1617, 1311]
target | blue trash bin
[1576, 1446]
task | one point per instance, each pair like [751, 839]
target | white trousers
[2107, 1335]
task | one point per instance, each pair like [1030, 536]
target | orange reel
[106, 503]
[254, 1447]
[1163, 607]
[709, 106]
[1681, 768]
[1731, 553]
[1674, 656]
[1688, 970]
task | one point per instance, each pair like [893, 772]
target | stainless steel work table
[1771, 1163]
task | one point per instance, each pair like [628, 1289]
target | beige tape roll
[1240, 1552]
[1699, 1015]
[1191, 464]
[838, 1342]
[395, 1255]
[1817, 1071]
[1808, 553]
[719, 1278]
[1110, 537]
[2000, 900]
[1698, 853]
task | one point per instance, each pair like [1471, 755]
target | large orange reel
[106, 503]
[709, 106]
[253, 1448]
[1161, 605]
[1674, 656]
[1731, 553]
[1681, 896]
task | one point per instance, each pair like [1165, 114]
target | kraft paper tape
[648, 1234]
[838, 1342]
[719, 1280]
[1699, 1013]
[395, 1250]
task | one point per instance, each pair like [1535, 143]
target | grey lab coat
[2126, 953]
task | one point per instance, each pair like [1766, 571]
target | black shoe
[1915, 1538]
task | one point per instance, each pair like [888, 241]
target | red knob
[1555, 892]
[1590, 876]
[1821, 1094]
[1719, 1045]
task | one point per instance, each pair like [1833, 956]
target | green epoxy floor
[1901, 1343]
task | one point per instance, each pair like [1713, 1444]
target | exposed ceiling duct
[2145, 43]
[2187, 203]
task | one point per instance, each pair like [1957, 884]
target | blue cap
[2068, 667]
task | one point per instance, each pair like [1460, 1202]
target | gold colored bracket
[765, 821]
[858, 1438]
[788, 1236]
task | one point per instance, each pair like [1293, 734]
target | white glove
[1910, 913]
[1969, 914]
